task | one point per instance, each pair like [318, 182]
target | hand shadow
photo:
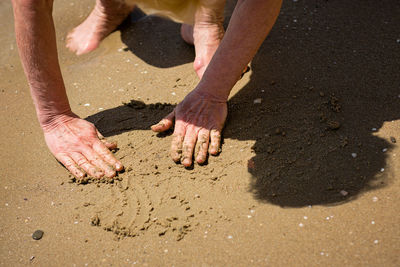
[322, 92]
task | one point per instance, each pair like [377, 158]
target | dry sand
[309, 176]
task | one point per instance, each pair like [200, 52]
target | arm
[34, 30]
[200, 117]
[250, 24]
[73, 141]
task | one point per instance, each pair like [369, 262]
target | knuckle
[69, 163]
[81, 161]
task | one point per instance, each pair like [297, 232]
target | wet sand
[308, 173]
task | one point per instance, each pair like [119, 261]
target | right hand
[79, 146]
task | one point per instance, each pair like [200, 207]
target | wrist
[49, 121]
[214, 92]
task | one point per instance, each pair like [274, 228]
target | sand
[309, 168]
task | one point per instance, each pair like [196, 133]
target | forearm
[35, 35]
[250, 24]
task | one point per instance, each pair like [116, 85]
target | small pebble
[373, 129]
[344, 193]
[373, 222]
[257, 101]
[393, 140]
[38, 234]
[301, 224]
[31, 258]
[376, 241]
[374, 199]
[230, 237]
[87, 105]
[354, 155]
[382, 169]
[173, 93]
[384, 150]
[249, 216]
[305, 217]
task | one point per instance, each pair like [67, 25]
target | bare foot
[104, 18]
[205, 35]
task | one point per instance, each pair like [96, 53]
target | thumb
[165, 123]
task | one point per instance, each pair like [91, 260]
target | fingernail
[98, 174]
[200, 159]
[186, 162]
[118, 166]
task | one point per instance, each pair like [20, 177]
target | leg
[207, 32]
[104, 18]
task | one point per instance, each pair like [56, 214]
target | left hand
[199, 119]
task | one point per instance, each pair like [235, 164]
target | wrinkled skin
[78, 145]
[199, 119]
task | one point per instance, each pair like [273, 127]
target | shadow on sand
[326, 76]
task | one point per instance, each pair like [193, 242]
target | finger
[97, 161]
[107, 156]
[71, 166]
[84, 164]
[202, 145]
[176, 147]
[164, 124]
[215, 142]
[177, 141]
[109, 144]
[188, 146]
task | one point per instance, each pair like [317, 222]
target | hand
[78, 145]
[199, 118]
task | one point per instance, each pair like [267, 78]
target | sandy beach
[310, 163]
